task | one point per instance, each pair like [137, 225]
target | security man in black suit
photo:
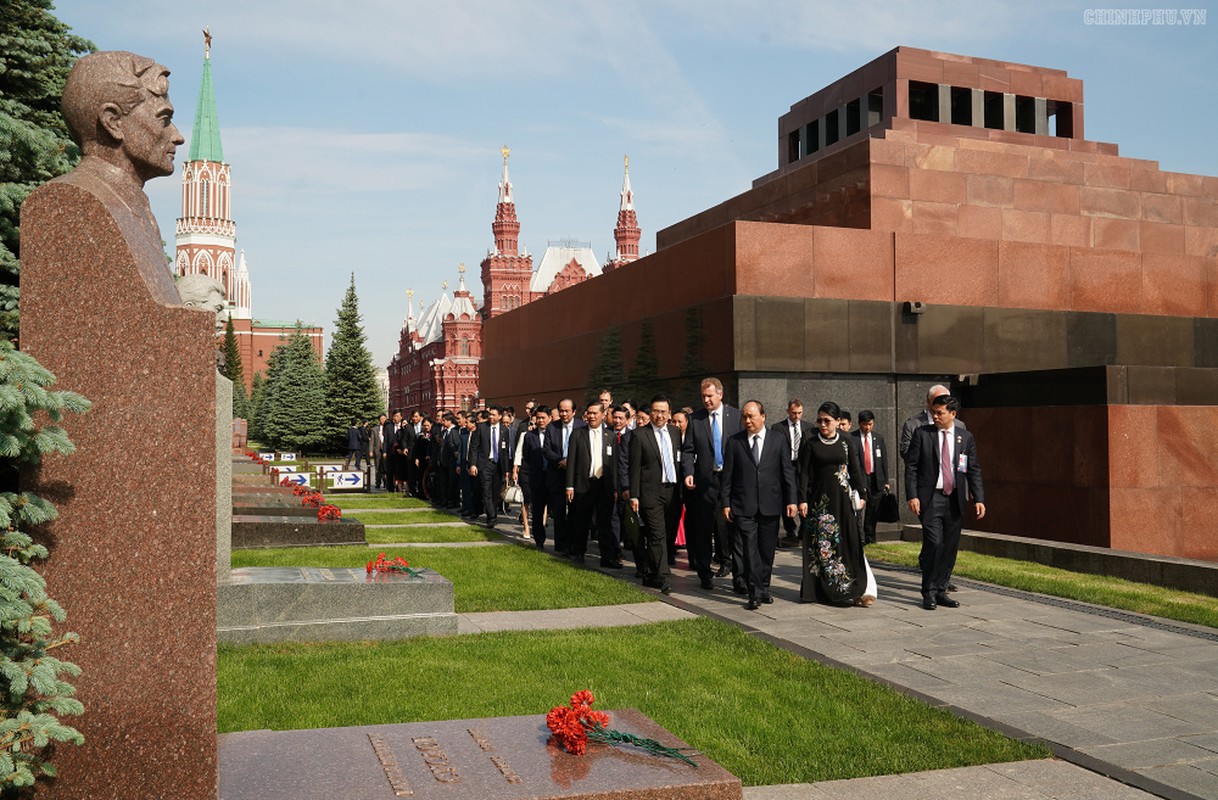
[873, 457]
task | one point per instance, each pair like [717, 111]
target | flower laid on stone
[315, 499]
[383, 566]
[285, 481]
[575, 725]
[325, 511]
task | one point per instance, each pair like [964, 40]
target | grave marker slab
[505, 758]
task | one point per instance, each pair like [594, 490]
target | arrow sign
[267, 456]
[283, 468]
[346, 480]
[298, 479]
[287, 456]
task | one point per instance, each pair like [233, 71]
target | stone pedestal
[133, 552]
[505, 758]
[275, 604]
[224, 478]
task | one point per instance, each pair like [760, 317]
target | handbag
[888, 510]
[631, 521]
[513, 494]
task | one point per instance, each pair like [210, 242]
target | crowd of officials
[645, 481]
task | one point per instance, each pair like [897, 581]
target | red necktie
[867, 453]
[945, 464]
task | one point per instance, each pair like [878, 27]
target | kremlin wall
[937, 217]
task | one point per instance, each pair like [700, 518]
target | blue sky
[364, 135]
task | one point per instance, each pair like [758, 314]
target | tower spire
[627, 232]
[205, 137]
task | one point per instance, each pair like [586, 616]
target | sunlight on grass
[764, 714]
[1143, 598]
[508, 578]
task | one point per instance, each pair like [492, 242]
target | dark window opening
[831, 127]
[792, 146]
[1025, 114]
[924, 101]
[1061, 119]
[812, 137]
[962, 106]
[875, 107]
[854, 123]
[993, 110]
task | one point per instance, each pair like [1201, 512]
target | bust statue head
[201, 291]
[117, 106]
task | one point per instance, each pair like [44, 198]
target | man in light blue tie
[653, 492]
[701, 465]
[488, 454]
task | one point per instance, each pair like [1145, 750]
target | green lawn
[1143, 598]
[426, 535]
[356, 501]
[400, 517]
[764, 714]
[508, 578]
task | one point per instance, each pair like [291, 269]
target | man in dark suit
[488, 446]
[654, 456]
[403, 444]
[923, 418]
[590, 481]
[701, 465]
[758, 482]
[467, 483]
[873, 456]
[533, 470]
[941, 472]
[557, 443]
[445, 466]
[385, 467]
[795, 431]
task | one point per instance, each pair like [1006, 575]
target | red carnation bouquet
[575, 725]
[383, 565]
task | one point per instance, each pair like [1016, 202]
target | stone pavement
[1124, 695]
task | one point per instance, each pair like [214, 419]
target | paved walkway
[1124, 695]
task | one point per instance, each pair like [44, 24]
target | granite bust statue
[117, 107]
[202, 291]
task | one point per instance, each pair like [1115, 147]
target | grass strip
[492, 579]
[357, 501]
[764, 714]
[400, 517]
[1102, 590]
[426, 535]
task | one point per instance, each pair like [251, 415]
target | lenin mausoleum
[936, 217]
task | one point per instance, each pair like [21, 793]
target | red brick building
[941, 218]
[440, 350]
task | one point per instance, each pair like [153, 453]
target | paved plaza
[1124, 700]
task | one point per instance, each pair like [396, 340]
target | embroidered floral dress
[835, 569]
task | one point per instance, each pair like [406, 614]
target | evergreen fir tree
[609, 372]
[36, 54]
[293, 412]
[645, 380]
[33, 691]
[253, 408]
[351, 389]
[234, 371]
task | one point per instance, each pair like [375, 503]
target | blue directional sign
[284, 468]
[297, 479]
[346, 480]
[287, 456]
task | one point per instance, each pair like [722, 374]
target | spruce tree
[293, 413]
[233, 370]
[351, 389]
[253, 409]
[609, 372]
[36, 54]
[645, 380]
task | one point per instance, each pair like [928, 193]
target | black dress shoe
[951, 587]
[652, 583]
[928, 603]
[752, 605]
[723, 572]
[611, 564]
[666, 588]
[706, 583]
[766, 599]
[946, 602]
[740, 590]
